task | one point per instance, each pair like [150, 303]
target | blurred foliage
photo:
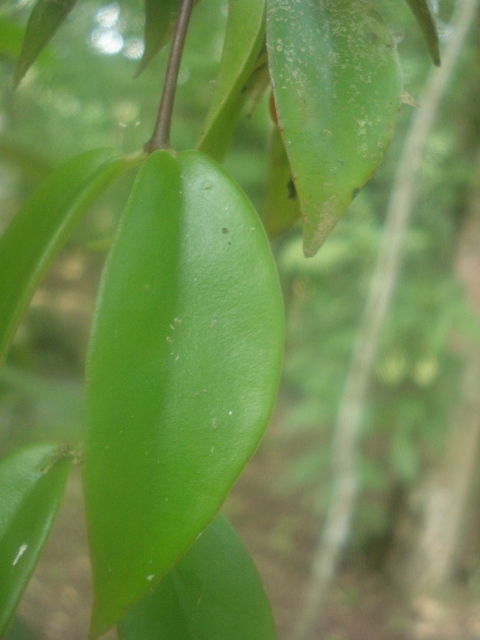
[83, 94]
[20, 630]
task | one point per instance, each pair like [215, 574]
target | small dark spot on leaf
[224, 230]
[355, 192]
[292, 192]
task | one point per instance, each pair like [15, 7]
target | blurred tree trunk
[431, 531]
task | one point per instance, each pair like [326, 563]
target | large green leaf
[213, 592]
[424, 17]
[46, 17]
[244, 39]
[37, 232]
[160, 19]
[32, 481]
[183, 369]
[337, 88]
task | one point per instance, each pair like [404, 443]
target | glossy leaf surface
[244, 39]
[160, 19]
[337, 88]
[32, 481]
[45, 18]
[183, 369]
[281, 207]
[421, 11]
[214, 591]
[39, 229]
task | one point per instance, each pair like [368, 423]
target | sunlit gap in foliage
[445, 30]
[107, 38]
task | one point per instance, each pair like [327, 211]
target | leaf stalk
[161, 134]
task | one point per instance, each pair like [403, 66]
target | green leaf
[281, 208]
[244, 39]
[46, 17]
[424, 17]
[11, 37]
[160, 19]
[11, 41]
[32, 481]
[182, 374]
[214, 591]
[39, 229]
[337, 88]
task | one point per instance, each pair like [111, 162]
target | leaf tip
[434, 50]
[18, 75]
[141, 67]
[316, 229]
[309, 251]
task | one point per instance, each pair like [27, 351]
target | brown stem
[161, 134]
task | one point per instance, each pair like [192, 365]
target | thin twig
[161, 135]
[347, 427]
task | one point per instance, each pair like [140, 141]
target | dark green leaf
[214, 591]
[244, 39]
[281, 208]
[424, 17]
[37, 232]
[183, 369]
[160, 19]
[46, 17]
[337, 88]
[32, 481]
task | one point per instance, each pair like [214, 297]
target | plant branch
[347, 428]
[161, 134]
